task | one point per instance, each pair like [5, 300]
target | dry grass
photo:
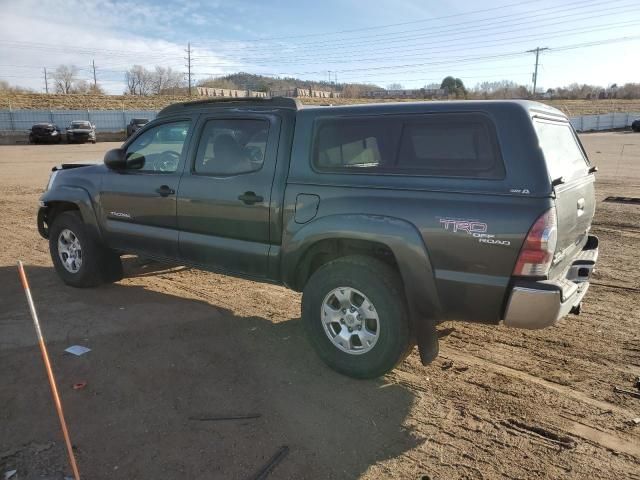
[127, 102]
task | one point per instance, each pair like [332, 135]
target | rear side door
[569, 172]
[138, 203]
[225, 194]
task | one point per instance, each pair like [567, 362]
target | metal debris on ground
[626, 392]
[227, 417]
[271, 464]
[632, 200]
[9, 474]
[79, 385]
[77, 350]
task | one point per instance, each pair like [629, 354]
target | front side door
[225, 194]
[138, 203]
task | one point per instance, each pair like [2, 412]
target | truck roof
[234, 102]
[442, 106]
[364, 108]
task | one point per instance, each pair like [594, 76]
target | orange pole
[47, 366]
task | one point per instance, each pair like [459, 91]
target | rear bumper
[540, 304]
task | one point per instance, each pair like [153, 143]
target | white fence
[104, 120]
[606, 121]
[116, 120]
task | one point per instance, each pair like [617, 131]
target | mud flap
[427, 338]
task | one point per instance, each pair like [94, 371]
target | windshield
[561, 149]
[80, 125]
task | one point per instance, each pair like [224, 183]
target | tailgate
[574, 191]
[575, 207]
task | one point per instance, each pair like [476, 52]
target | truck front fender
[408, 248]
[67, 194]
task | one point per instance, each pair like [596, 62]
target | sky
[410, 42]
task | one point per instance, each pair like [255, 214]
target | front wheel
[77, 257]
[355, 316]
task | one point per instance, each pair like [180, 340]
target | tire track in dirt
[603, 439]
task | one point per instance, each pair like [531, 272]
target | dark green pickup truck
[390, 218]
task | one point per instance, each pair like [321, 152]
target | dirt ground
[169, 343]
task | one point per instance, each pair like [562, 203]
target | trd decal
[469, 226]
[474, 228]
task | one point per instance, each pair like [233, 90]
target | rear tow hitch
[576, 309]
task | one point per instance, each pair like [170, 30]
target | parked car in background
[81, 131]
[635, 126]
[135, 124]
[45, 133]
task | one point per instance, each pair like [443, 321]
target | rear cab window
[561, 149]
[447, 145]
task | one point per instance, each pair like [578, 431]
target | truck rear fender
[404, 242]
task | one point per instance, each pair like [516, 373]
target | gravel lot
[169, 343]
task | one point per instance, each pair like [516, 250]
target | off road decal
[475, 228]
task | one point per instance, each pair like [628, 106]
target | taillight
[537, 251]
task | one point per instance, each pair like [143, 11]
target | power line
[95, 82]
[462, 46]
[537, 51]
[437, 31]
[188, 59]
[472, 12]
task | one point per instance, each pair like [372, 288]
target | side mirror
[116, 159]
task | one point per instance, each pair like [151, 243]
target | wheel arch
[394, 240]
[65, 198]
[395, 236]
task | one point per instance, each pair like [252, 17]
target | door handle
[250, 198]
[165, 191]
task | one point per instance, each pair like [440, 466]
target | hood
[80, 130]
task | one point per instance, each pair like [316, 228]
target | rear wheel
[355, 316]
[77, 257]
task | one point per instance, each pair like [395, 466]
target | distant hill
[261, 83]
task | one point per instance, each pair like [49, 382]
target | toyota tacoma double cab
[389, 218]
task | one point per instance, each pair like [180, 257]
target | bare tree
[394, 86]
[64, 78]
[166, 80]
[80, 86]
[139, 80]
[499, 89]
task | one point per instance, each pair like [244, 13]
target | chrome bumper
[535, 305]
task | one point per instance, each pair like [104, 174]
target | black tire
[99, 264]
[381, 284]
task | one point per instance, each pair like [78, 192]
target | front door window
[159, 149]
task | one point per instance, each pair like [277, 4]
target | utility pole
[95, 82]
[537, 51]
[188, 59]
[46, 82]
